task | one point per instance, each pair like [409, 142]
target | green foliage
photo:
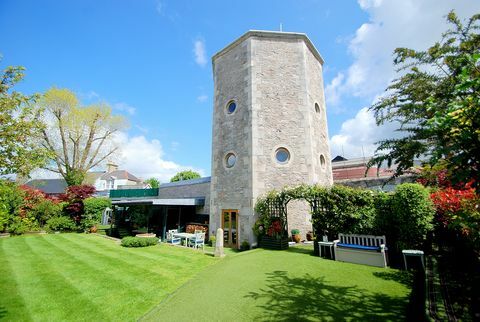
[46, 209]
[93, 209]
[412, 214]
[153, 182]
[295, 231]
[20, 127]
[18, 226]
[61, 223]
[342, 210]
[212, 240]
[245, 245]
[139, 241]
[11, 199]
[78, 137]
[185, 175]
[437, 104]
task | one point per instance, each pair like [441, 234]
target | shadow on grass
[304, 298]
[301, 250]
[402, 277]
[3, 312]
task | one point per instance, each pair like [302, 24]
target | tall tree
[20, 127]
[153, 182]
[436, 101]
[185, 175]
[79, 137]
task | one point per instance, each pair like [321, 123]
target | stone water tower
[269, 128]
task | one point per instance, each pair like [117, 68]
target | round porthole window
[230, 160]
[282, 155]
[317, 108]
[322, 162]
[231, 107]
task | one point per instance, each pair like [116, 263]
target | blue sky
[151, 61]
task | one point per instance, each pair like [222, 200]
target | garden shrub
[11, 199]
[44, 210]
[458, 213]
[245, 245]
[343, 210]
[139, 241]
[211, 240]
[61, 223]
[92, 211]
[412, 215]
[18, 226]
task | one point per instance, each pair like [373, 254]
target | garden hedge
[139, 241]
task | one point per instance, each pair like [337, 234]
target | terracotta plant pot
[93, 229]
[296, 238]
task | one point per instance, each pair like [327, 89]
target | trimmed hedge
[139, 241]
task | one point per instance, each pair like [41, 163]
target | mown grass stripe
[80, 277]
[102, 271]
[135, 266]
[12, 304]
[58, 296]
[104, 287]
[158, 265]
[168, 252]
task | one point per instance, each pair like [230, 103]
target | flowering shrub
[450, 201]
[275, 228]
[75, 196]
[459, 210]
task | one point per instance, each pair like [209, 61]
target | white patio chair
[198, 240]
[171, 239]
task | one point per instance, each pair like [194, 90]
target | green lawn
[86, 277]
[262, 285]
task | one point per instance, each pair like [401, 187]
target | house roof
[49, 186]
[119, 174]
[92, 176]
[185, 182]
[339, 158]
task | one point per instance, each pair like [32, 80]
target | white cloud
[145, 158]
[44, 174]
[200, 53]
[332, 93]
[365, 4]
[408, 23]
[358, 135]
[124, 107]
[202, 98]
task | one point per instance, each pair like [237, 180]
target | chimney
[111, 167]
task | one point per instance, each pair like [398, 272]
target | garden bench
[361, 249]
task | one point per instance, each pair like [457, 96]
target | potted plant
[310, 235]
[296, 235]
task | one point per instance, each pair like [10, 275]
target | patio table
[185, 236]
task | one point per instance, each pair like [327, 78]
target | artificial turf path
[73, 277]
[293, 285]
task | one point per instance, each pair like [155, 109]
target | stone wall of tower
[276, 81]
[231, 188]
[286, 84]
